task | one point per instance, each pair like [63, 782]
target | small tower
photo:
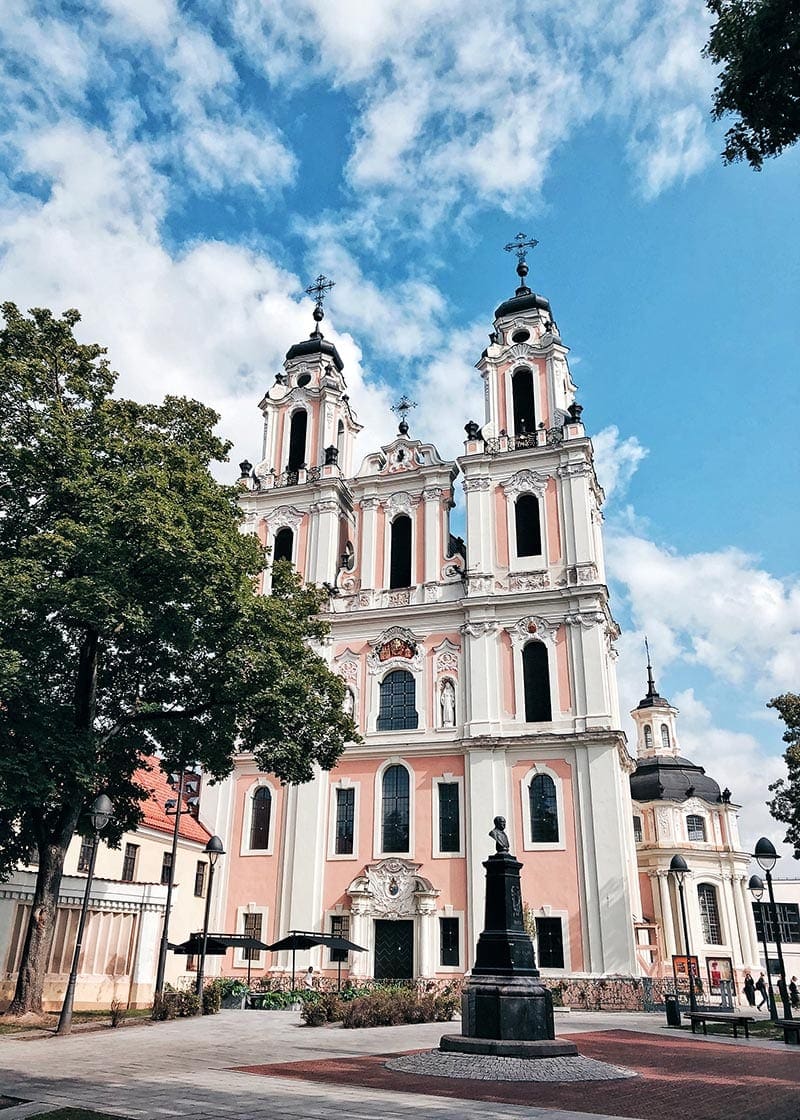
[656, 721]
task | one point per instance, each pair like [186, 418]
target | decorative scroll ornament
[529, 581]
[521, 350]
[477, 484]
[346, 665]
[401, 503]
[532, 627]
[447, 658]
[395, 646]
[285, 516]
[586, 619]
[393, 888]
[525, 482]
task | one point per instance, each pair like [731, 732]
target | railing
[542, 437]
[296, 478]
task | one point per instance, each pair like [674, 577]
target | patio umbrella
[218, 944]
[344, 946]
[300, 939]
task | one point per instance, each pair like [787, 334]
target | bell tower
[297, 498]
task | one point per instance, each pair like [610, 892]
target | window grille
[166, 867]
[395, 810]
[449, 824]
[200, 879]
[529, 530]
[544, 810]
[85, 854]
[788, 921]
[665, 737]
[398, 710]
[340, 927]
[648, 736]
[253, 924]
[129, 863]
[695, 828]
[345, 821]
[638, 834]
[536, 683]
[448, 943]
[709, 914]
[549, 942]
[260, 818]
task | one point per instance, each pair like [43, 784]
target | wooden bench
[791, 1031]
[734, 1021]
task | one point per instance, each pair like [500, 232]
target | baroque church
[481, 676]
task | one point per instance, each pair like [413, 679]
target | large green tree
[785, 806]
[130, 616]
[758, 44]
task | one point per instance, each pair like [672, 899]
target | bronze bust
[498, 834]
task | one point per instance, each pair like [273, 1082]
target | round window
[521, 335]
[303, 379]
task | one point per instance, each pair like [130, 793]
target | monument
[505, 1009]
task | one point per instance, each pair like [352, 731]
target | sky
[181, 172]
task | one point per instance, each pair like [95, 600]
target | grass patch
[762, 1028]
[74, 1114]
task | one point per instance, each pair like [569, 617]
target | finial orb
[318, 314]
[403, 427]
[522, 270]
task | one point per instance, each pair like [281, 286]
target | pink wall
[562, 666]
[501, 523]
[380, 534]
[302, 547]
[419, 531]
[553, 522]
[504, 421]
[541, 369]
[558, 870]
[646, 891]
[507, 673]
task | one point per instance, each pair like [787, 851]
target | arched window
[395, 815]
[284, 544]
[665, 737]
[297, 441]
[340, 439]
[524, 413]
[648, 736]
[400, 554]
[709, 914]
[536, 682]
[695, 828]
[638, 833]
[398, 711]
[261, 810]
[529, 530]
[544, 810]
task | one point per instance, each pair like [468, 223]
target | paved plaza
[267, 1065]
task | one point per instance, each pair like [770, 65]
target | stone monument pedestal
[506, 1011]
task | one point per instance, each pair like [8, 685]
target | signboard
[719, 968]
[680, 969]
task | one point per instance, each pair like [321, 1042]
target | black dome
[671, 778]
[521, 303]
[315, 345]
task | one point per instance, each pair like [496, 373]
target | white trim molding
[447, 911]
[528, 843]
[343, 783]
[238, 953]
[436, 852]
[247, 819]
[377, 837]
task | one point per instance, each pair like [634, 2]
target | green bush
[231, 987]
[313, 1014]
[391, 1007]
[174, 1004]
[212, 997]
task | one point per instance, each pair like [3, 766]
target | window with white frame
[400, 552]
[251, 920]
[536, 683]
[550, 942]
[283, 546]
[345, 820]
[449, 817]
[696, 827]
[258, 821]
[648, 736]
[527, 522]
[449, 943]
[543, 807]
[395, 809]
[297, 441]
[398, 702]
[709, 914]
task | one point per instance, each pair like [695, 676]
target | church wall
[562, 663]
[506, 657]
[501, 527]
[646, 892]
[544, 397]
[255, 878]
[380, 541]
[553, 522]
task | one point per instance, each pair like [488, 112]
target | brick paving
[677, 1076]
[435, 1063]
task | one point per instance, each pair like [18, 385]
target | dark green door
[394, 950]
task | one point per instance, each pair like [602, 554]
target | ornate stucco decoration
[402, 502]
[396, 648]
[586, 619]
[477, 484]
[285, 516]
[525, 482]
[477, 628]
[447, 656]
[346, 665]
[529, 581]
[532, 627]
[392, 888]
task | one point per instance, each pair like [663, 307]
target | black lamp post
[766, 857]
[100, 814]
[756, 888]
[173, 806]
[680, 869]
[213, 850]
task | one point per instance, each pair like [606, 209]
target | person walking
[761, 988]
[794, 992]
[750, 988]
[308, 979]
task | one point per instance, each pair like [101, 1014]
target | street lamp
[766, 857]
[680, 869]
[213, 850]
[756, 888]
[172, 806]
[100, 814]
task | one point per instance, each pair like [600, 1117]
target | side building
[481, 677]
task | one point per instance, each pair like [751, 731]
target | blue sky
[181, 172]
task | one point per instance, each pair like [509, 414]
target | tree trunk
[41, 923]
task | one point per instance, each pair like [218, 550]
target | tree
[758, 41]
[130, 616]
[785, 807]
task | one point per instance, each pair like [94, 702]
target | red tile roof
[155, 815]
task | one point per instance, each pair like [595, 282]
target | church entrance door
[394, 950]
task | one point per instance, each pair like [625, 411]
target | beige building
[126, 909]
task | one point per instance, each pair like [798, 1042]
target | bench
[791, 1031]
[734, 1021]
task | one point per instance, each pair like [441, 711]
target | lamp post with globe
[680, 869]
[766, 858]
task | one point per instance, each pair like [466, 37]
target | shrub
[390, 1007]
[174, 1004]
[118, 1013]
[445, 1007]
[212, 997]
[313, 1014]
[231, 987]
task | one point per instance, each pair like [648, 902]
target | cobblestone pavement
[434, 1063]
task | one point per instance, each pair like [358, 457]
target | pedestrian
[782, 992]
[794, 992]
[308, 979]
[750, 988]
[761, 988]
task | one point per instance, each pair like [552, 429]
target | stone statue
[349, 703]
[498, 834]
[448, 704]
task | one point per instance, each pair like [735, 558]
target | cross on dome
[520, 246]
[321, 286]
[401, 408]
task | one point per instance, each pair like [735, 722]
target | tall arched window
[536, 682]
[648, 736]
[340, 440]
[709, 914]
[529, 530]
[395, 810]
[400, 554]
[261, 810]
[398, 711]
[297, 441]
[544, 810]
[524, 412]
[665, 737]
[695, 827]
[284, 544]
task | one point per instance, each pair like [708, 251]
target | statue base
[508, 1047]
[507, 1008]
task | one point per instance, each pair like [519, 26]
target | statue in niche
[447, 703]
[498, 834]
[349, 703]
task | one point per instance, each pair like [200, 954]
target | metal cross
[319, 288]
[403, 405]
[520, 246]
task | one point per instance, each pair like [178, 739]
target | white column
[426, 941]
[732, 921]
[325, 549]
[479, 496]
[483, 684]
[667, 924]
[432, 496]
[483, 800]
[361, 934]
[748, 926]
[369, 507]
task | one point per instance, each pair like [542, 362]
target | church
[481, 677]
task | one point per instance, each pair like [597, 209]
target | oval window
[303, 379]
[521, 335]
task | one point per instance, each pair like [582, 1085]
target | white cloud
[616, 460]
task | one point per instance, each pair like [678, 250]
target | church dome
[316, 344]
[672, 778]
